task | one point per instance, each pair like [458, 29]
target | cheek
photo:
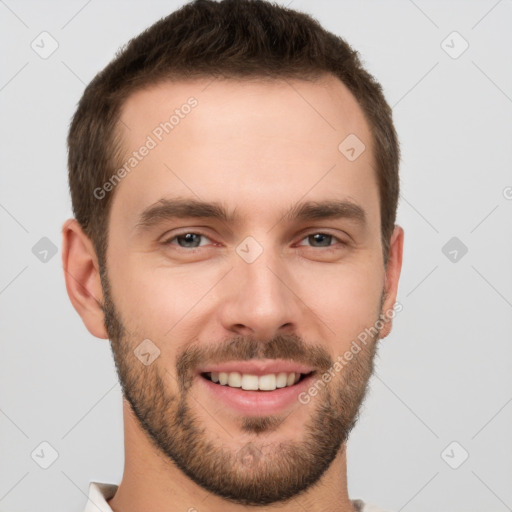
[159, 302]
[346, 298]
[163, 303]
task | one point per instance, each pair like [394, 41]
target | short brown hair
[233, 39]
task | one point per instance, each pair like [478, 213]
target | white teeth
[281, 380]
[247, 381]
[267, 382]
[234, 380]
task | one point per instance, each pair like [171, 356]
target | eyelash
[191, 249]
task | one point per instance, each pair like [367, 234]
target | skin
[260, 148]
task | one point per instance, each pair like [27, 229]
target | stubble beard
[259, 472]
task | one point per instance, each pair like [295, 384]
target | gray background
[443, 375]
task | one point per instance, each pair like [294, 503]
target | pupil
[189, 238]
[324, 236]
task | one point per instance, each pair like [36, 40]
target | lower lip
[256, 403]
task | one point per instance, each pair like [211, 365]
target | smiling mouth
[248, 382]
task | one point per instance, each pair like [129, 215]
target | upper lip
[257, 367]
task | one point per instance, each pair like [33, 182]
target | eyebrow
[166, 209]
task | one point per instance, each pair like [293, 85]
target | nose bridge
[261, 300]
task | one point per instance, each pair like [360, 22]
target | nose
[259, 299]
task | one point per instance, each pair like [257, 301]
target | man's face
[261, 288]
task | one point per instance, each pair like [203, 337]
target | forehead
[246, 142]
[262, 105]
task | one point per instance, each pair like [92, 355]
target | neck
[151, 482]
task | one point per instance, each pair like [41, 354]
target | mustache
[244, 348]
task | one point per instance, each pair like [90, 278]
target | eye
[323, 239]
[192, 240]
[189, 240]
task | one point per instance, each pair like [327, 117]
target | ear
[392, 276]
[82, 276]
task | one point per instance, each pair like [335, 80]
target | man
[234, 179]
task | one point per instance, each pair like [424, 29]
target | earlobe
[81, 274]
[392, 276]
